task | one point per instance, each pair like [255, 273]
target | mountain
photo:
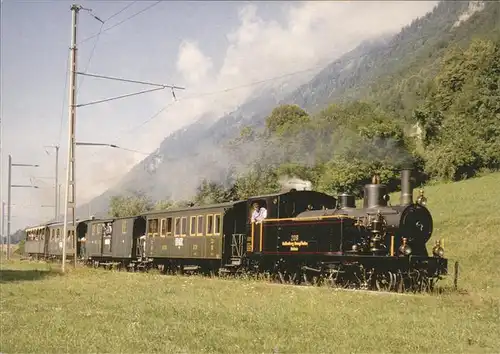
[382, 70]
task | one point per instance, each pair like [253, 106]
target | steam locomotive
[308, 237]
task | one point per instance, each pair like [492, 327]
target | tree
[461, 121]
[210, 193]
[258, 180]
[122, 206]
[286, 117]
[163, 205]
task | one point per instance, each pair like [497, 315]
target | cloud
[309, 34]
[312, 33]
[192, 64]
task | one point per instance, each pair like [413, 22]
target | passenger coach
[180, 236]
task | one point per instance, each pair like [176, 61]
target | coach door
[107, 233]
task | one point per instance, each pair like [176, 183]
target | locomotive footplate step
[236, 261]
[191, 268]
[229, 269]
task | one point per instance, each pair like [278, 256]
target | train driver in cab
[259, 213]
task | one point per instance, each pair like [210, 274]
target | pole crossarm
[119, 97]
[23, 186]
[132, 81]
[24, 165]
[94, 144]
[111, 146]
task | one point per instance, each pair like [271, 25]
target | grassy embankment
[91, 310]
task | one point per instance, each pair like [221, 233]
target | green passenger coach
[193, 233]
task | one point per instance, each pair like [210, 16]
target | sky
[207, 47]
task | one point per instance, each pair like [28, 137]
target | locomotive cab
[282, 208]
[292, 203]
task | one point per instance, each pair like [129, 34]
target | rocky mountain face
[199, 151]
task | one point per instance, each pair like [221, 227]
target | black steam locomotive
[306, 237]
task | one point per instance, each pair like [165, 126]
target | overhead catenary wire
[90, 59]
[205, 94]
[158, 87]
[312, 68]
[97, 40]
[120, 11]
[120, 23]
[64, 99]
[131, 150]
[200, 95]
[119, 97]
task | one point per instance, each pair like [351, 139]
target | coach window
[184, 226]
[163, 227]
[177, 227]
[153, 227]
[210, 225]
[169, 226]
[217, 224]
[192, 229]
[124, 226]
[199, 231]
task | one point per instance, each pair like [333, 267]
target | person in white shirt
[255, 213]
[262, 214]
[258, 214]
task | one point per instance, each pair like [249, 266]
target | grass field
[90, 310]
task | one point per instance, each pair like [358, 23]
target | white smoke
[287, 183]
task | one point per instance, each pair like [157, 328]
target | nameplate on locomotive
[294, 243]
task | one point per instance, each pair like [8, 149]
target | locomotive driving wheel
[310, 280]
[385, 281]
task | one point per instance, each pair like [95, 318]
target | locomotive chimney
[346, 200]
[406, 187]
[374, 194]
